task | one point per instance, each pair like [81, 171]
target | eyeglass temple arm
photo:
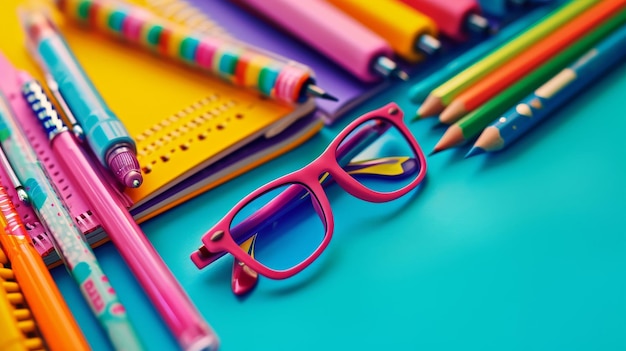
[284, 201]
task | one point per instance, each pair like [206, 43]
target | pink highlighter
[333, 33]
[454, 18]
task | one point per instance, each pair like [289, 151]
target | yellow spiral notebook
[193, 131]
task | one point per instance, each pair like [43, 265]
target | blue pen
[104, 132]
[539, 105]
[420, 91]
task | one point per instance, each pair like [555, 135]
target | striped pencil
[539, 105]
[472, 124]
[443, 94]
[528, 60]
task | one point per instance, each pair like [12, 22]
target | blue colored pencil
[551, 95]
[420, 91]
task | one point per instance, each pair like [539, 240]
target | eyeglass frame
[219, 241]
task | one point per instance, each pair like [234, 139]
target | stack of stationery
[194, 133]
[482, 92]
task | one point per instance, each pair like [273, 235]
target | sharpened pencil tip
[452, 137]
[315, 91]
[435, 151]
[453, 112]
[431, 106]
[474, 151]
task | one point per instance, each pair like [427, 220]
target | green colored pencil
[473, 123]
[443, 95]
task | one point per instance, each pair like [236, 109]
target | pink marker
[168, 297]
[454, 18]
[331, 32]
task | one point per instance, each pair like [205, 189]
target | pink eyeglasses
[286, 224]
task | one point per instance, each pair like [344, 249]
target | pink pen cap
[333, 33]
[454, 18]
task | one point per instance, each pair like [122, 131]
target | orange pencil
[54, 319]
[528, 60]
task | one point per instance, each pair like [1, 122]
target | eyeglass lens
[377, 155]
[286, 224]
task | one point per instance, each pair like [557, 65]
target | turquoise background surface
[522, 250]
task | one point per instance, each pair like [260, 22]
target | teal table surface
[522, 250]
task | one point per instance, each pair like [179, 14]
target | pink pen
[454, 18]
[169, 298]
[331, 32]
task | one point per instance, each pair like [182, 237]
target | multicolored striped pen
[67, 238]
[234, 61]
[540, 105]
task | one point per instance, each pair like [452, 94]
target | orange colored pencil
[528, 60]
[54, 319]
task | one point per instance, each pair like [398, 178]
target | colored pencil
[473, 123]
[539, 105]
[528, 60]
[443, 94]
[420, 91]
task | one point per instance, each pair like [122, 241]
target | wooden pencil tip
[475, 150]
[453, 112]
[431, 106]
[451, 138]
[416, 117]
[434, 151]
[490, 140]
